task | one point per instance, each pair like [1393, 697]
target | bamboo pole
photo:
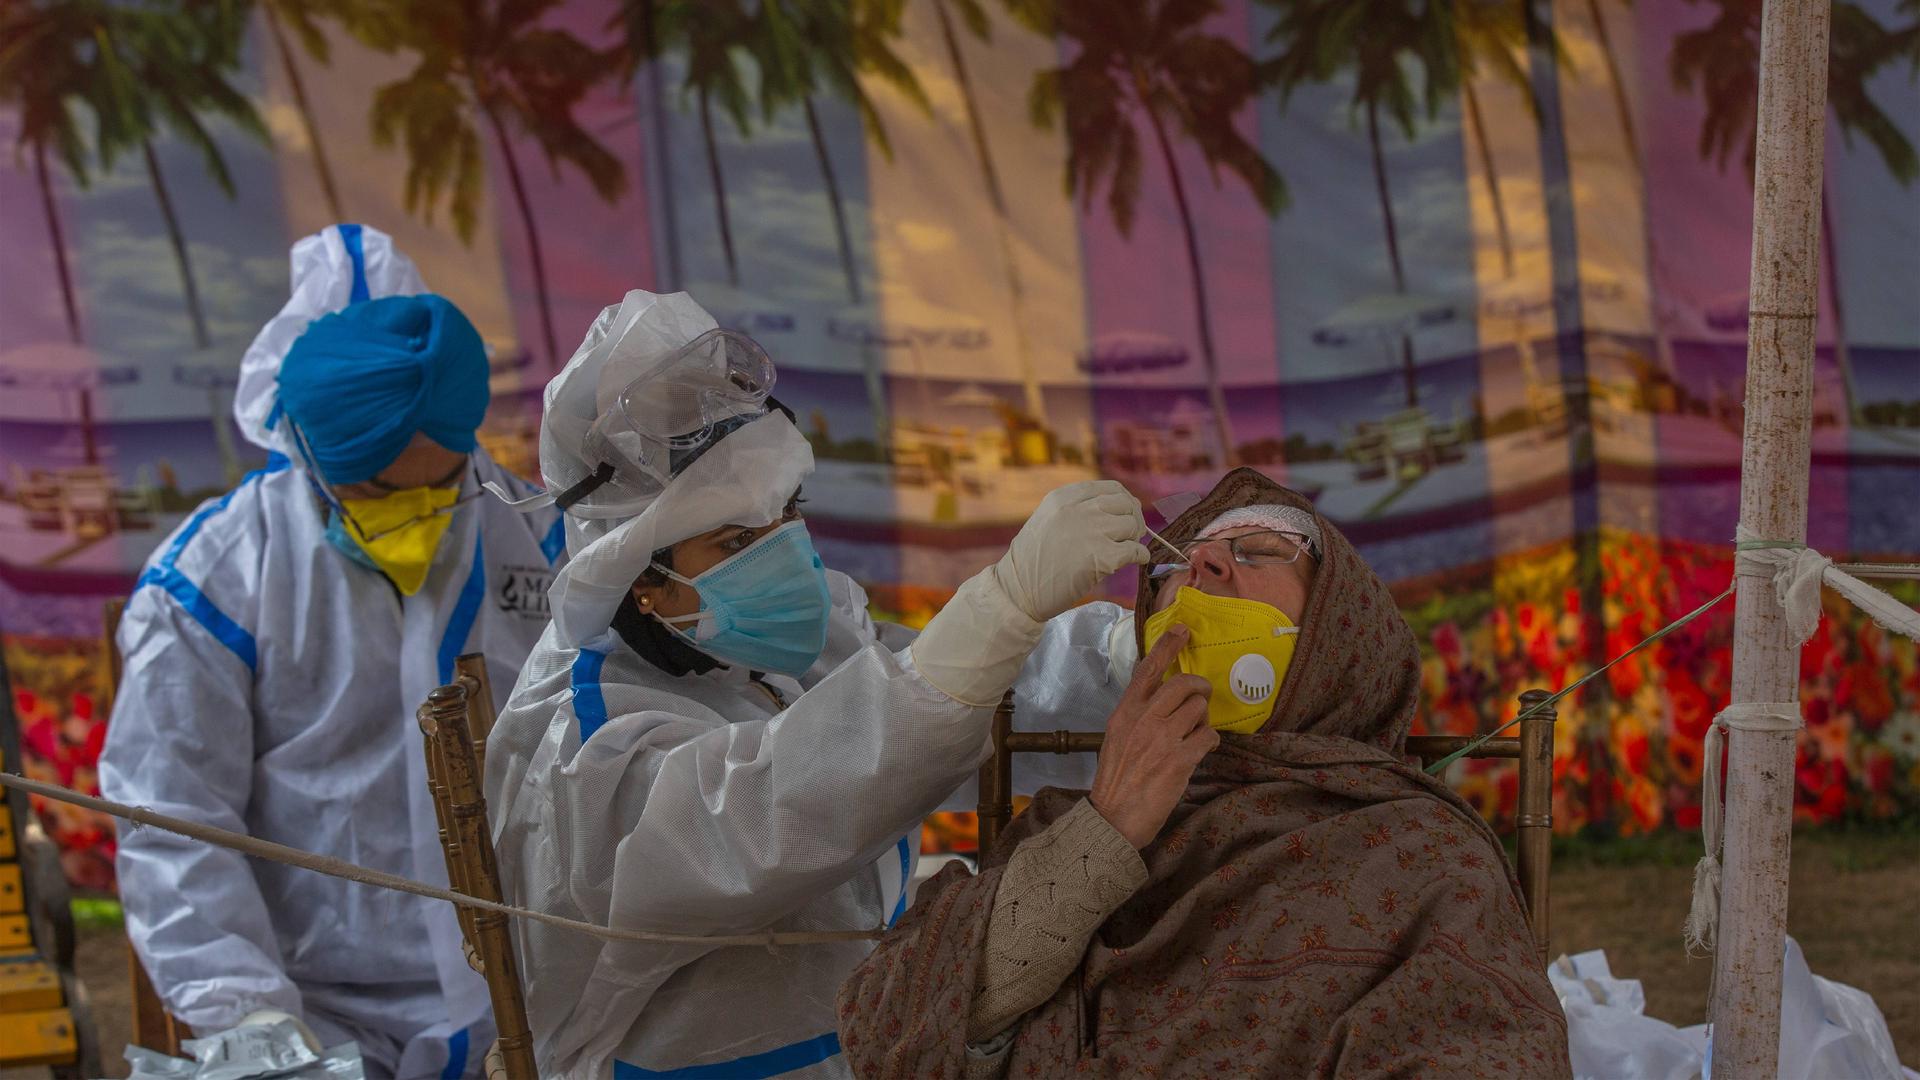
[480, 715]
[1784, 299]
[486, 931]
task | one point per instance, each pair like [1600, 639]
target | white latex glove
[973, 649]
[1078, 535]
[269, 1017]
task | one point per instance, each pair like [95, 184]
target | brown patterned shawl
[1315, 906]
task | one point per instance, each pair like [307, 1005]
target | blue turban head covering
[362, 381]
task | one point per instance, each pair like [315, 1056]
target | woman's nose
[1211, 560]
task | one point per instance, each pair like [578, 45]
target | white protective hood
[746, 478]
[335, 267]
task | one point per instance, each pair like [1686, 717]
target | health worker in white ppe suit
[276, 648]
[714, 738]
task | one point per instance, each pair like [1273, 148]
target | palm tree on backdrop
[1630, 139]
[158, 69]
[1721, 61]
[1493, 34]
[44, 74]
[302, 16]
[810, 45]
[1377, 41]
[639, 20]
[716, 36]
[488, 63]
[974, 15]
[1154, 60]
[1610, 57]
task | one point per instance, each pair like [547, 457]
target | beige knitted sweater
[1058, 887]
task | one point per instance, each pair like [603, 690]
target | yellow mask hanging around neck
[406, 527]
[1242, 647]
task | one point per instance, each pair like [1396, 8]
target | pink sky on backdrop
[1142, 283]
[30, 305]
[594, 252]
[1703, 215]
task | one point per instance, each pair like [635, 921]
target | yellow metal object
[43, 1037]
[11, 898]
[6, 832]
[14, 936]
[28, 986]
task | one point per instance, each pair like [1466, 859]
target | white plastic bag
[254, 1051]
[1830, 1034]
[1608, 1034]
[1828, 1031]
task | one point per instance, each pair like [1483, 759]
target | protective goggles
[662, 421]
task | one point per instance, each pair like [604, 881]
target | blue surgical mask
[765, 608]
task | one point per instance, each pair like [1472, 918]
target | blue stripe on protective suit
[351, 239]
[204, 611]
[555, 541]
[906, 876]
[456, 1056]
[460, 623]
[589, 706]
[772, 1063]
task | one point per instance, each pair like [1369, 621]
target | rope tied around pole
[1703, 920]
[1798, 572]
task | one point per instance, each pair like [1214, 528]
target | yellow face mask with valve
[400, 531]
[1242, 647]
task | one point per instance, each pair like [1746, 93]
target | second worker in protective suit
[276, 648]
[714, 738]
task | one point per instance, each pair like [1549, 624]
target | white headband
[1280, 518]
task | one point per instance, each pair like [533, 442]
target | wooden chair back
[153, 1026]
[1532, 749]
[454, 723]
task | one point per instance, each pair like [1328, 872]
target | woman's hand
[1155, 737]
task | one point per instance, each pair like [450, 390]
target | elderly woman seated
[1257, 885]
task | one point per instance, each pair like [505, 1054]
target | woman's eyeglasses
[1265, 548]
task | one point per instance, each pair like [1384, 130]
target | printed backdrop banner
[1482, 295]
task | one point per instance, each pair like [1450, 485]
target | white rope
[379, 879]
[1881, 570]
[1704, 919]
[1799, 571]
